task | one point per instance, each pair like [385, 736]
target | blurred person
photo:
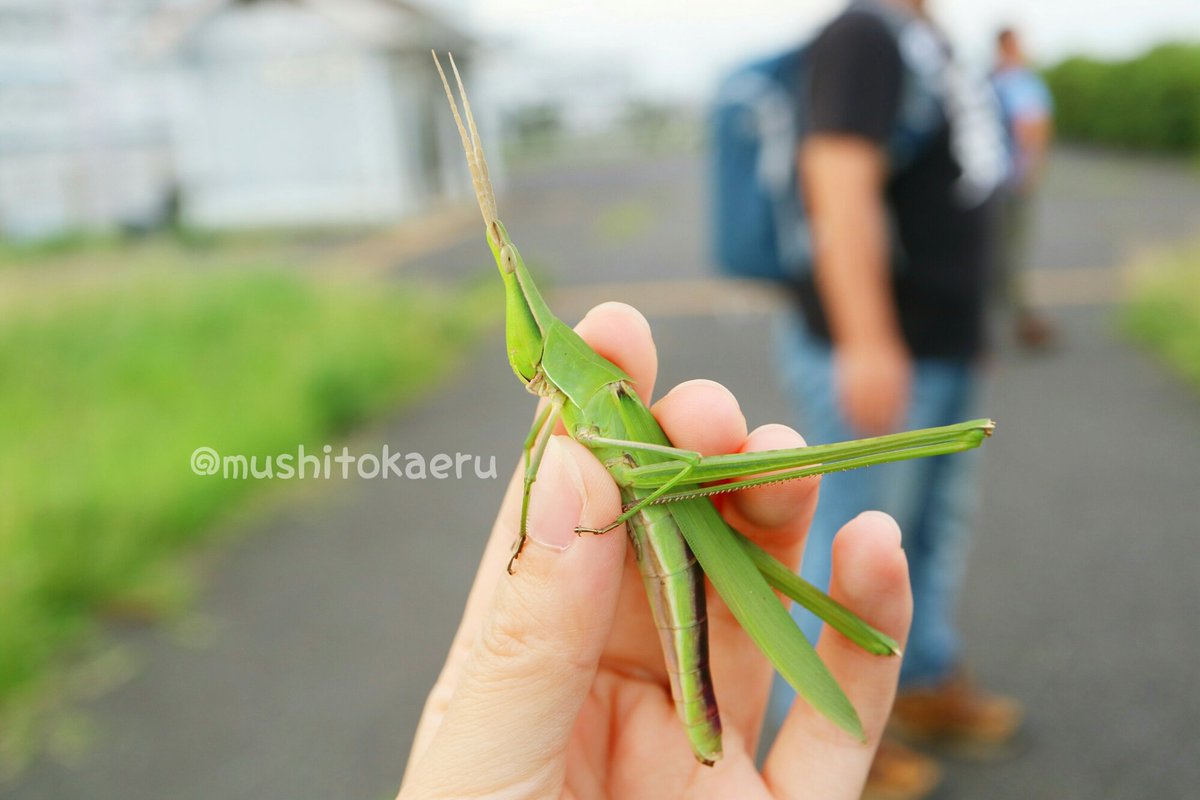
[890, 335]
[555, 683]
[1028, 114]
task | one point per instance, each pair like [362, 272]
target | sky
[676, 48]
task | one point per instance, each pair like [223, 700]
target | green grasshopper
[677, 534]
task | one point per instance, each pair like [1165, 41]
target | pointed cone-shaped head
[524, 307]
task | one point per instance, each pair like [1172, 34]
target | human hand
[872, 380]
[555, 683]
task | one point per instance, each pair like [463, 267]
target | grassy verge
[1164, 312]
[107, 386]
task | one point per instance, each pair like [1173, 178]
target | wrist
[875, 342]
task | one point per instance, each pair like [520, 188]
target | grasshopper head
[523, 305]
[523, 333]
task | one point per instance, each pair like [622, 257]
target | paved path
[331, 616]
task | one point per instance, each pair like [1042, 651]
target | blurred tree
[1151, 102]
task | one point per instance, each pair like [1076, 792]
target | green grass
[107, 386]
[1164, 312]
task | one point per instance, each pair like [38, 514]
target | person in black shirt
[891, 325]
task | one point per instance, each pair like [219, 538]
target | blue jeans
[933, 500]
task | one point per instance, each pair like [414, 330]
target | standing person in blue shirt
[889, 335]
[1028, 114]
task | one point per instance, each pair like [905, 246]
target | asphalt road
[328, 617]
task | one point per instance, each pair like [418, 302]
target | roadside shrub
[1151, 102]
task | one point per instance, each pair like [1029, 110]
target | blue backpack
[758, 219]
[759, 227]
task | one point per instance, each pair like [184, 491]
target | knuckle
[520, 643]
[507, 638]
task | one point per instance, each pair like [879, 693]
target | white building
[234, 112]
[83, 140]
[309, 111]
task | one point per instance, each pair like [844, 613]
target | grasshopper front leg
[688, 459]
[533, 449]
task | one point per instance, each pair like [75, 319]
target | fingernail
[884, 522]
[557, 499]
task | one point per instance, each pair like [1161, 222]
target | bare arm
[844, 182]
[844, 178]
[1033, 135]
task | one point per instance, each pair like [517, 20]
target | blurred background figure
[900, 162]
[1028, 114]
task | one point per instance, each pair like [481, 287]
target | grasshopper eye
[508, 259]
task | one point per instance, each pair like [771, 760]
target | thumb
[536, 654]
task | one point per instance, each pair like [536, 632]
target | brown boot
[959, 718]
[898, 773]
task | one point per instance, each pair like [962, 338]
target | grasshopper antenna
[469, 134]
